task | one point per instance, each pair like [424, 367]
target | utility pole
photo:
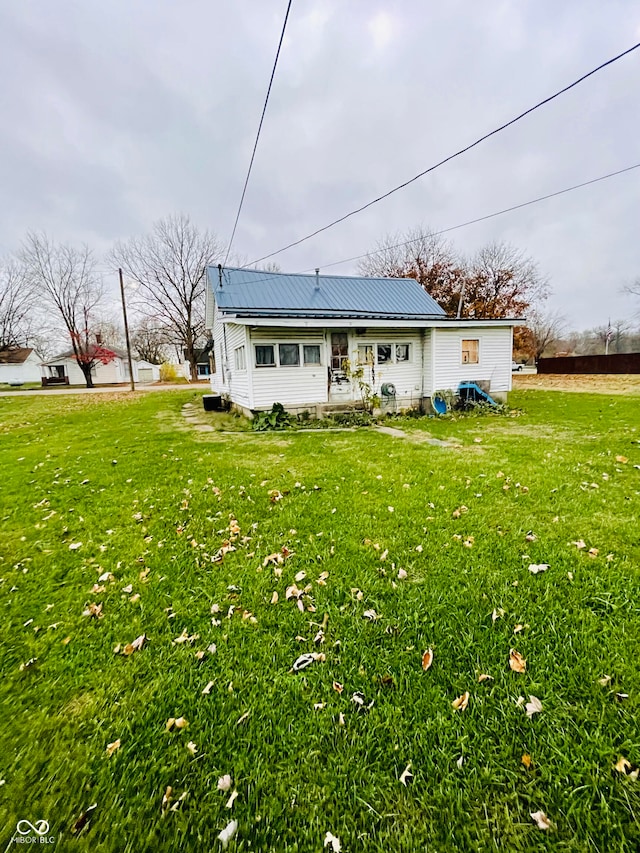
[126, 331]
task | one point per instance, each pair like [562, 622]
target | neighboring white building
[19, 365]
[64, 370]
[322, 342]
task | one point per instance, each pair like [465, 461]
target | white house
[19, 365]
[64, 369]
[320, 342]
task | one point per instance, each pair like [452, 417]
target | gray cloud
[116, 114]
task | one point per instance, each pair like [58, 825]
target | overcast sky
[115, 114]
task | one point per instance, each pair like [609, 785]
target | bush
[168, 372]
[277, 418]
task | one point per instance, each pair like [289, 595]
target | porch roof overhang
[370, 321]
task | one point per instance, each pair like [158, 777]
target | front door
[339, 382]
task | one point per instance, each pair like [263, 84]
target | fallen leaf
[319, 706]
[229, 831]
[300, 576]
[93, 611]
[406, 774]
[593, 552]
[135, 646]
[605, 681]
[622, 459]
[580, 544]
[302, 662]
[181, 723]
[541, 820]
[533, 706]
[128, 589]
[371, 615]
[111, 747]
[193, 749]
[526, 760]
[75, 545]
[274, 597]
[484, 677]
[402, 574]
[460, 761]
[207, 690]
[341, 719]
[84, 818]
[231, 800]
[224, 783]
[497, 614]
[334, 841]
[461, 703]
[185, 638]
[243, 718]
[536, 568]
[516, 661]
[427, 659]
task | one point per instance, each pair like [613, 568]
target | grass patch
[154, 503]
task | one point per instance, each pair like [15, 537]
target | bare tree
[16, 304]
[149, 341]
[499, 281]
[168, 268]
[542, 329]
[68, 286]
[423, 255]
[502, 282]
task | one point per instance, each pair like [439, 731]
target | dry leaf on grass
[461, 703]
[526, 760]
[406, 774]
[93, 611]
[622, 459]
[402, 574]
[231, 800]
[274, 597]
[207, 689]
[533, 706]
[497, 614]
[227, 833]
[224, 783]
[484, 677]
[541, 820]
[536, 568]
[193, 749]
[580, 544]
[338, 687]
[243, 718]
[334, 841]
[427, 659]
[605, 681]
[111, 747]
[185, 638]
[371, 615]
[516, 661]
[626, 768]
[132, 647]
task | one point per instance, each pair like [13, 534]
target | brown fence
[625, 362]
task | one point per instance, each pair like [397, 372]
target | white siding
[495, 357]
[405, 375]
[237, 381]
[288, 385]
[28, 371]
[427, 363]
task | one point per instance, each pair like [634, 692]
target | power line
[451, 156]
[255, 145]
[478, 219]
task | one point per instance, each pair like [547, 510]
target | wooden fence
[625, 362]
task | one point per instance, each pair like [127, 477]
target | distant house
[64, 370]
[19, 365]
[321, 342]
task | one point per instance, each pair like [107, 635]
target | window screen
[311, 354]
[265, 355]
[402, 352]
[384, 353]
[289, 354]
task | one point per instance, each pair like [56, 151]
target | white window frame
[470, 363]
[240, 358]
[304, 362]
[255, 355]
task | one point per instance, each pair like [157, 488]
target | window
[403, 351]
[289, 355]
[365, 353]
[384, 353]
[241, 360]
[339, 350]
[471, 351]
[203, 369]
[311, 353]
[265, 355]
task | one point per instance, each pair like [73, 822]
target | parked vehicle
[515, 366]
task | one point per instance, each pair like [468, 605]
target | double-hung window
[265, 355]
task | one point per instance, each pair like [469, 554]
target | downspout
[422, 344]
[225, 359]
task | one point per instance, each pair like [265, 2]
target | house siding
[237, 381]
[28, 371]
[494, 352]
[288, 385]
[406, 376]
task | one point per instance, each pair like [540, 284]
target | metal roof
[272, 294]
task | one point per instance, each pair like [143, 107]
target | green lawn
[125, 485]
